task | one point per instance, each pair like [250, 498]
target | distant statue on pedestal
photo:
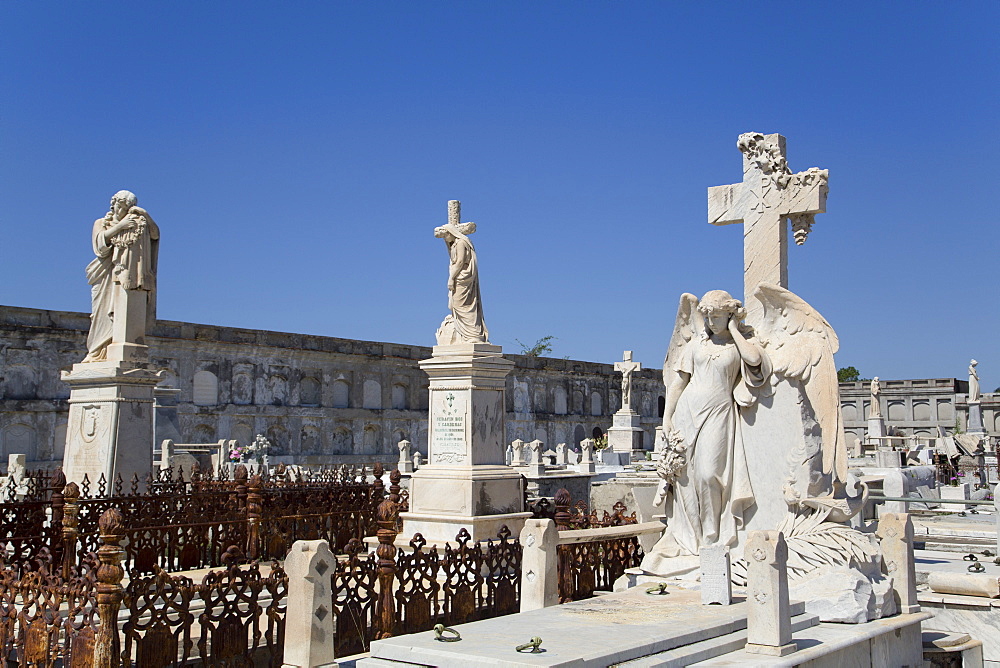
[122, 276]
[465, 323]
[973, 382]
[627, 367]
[875, 411]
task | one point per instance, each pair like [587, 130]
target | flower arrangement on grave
[237, 453]
[259, 447]
[600, 443]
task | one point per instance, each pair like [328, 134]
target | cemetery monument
[110, 429]
[754, 439]
[465, 483]
[625, 432]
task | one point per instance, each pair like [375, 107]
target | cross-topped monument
[769, 195]
[627, 367]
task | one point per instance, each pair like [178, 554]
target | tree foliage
[848, 374]
[541, 347]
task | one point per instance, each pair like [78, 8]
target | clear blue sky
[298, 155]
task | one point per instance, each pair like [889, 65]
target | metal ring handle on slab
[976, 568]
[534, 644]
[970, 557]
[441, 629]
[658, 590]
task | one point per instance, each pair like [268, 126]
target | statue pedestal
[976, 419]
[110, 429]
[625, 436]
[876, 427]
[466, 483]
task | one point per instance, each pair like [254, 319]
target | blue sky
[297, 157]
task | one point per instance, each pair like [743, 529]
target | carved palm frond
[814, 542]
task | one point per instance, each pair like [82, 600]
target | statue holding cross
[769, 195]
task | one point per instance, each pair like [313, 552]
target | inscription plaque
[448, 428]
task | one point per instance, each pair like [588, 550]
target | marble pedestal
[625, 435]
[976, 419]
[465, 483]
[876, 428]
[110, 429]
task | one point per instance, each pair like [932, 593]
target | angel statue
[754, 438]
[465, 323]
[714, 369]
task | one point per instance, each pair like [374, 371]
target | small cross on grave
[769, 195]
[627, 367]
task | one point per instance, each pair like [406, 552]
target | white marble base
[625, 434]
[876, 427]
[110, 428]
[976, 419]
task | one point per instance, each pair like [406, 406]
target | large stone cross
[769, 196]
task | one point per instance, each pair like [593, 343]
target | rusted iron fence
[180, 523]
[592, 565]
[398, 591]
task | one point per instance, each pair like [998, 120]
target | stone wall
[317, 399]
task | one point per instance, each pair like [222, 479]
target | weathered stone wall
[318, 399]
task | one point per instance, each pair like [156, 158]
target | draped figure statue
[465, 323]
[126, 242]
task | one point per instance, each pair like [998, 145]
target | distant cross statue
[768, 196]
[627, 368]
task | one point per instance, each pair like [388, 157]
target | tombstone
[537, 466]
[562, 455]
[517, 452]
[769, 624]
[309, 620]
[417, 460]
[405, 464]
[896, 532]
[625, 433]
[716, 575]
[587, 460]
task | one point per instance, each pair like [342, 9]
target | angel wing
[685, 325]
[801, 344]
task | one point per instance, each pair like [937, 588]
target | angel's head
[719, 307]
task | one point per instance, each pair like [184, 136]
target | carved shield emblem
[91, 422]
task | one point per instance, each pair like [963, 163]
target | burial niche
[399, 401]
[341, 394]
[206, 389]
[372, 398]
[309, 391]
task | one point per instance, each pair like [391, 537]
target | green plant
[600, 442]
[541, 346]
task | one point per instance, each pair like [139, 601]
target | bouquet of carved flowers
[673, 457]
[237, 453]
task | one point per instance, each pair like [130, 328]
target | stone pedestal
[110, 429]
[625, 435]
[976, 419]
[465, 483]
[876, 428]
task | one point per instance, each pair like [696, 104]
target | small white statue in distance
[754, 438]
[875, 411]
[973, 382]
[627, 367]
[126, 242]
[465, 323]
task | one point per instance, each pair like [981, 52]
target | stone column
[517, 448]
[405, 464]
[539, 565]
[896, 533]
[309, 621]
[976, 419]
[537, 466]
[586, 464]
[466, 482]
[769, 623]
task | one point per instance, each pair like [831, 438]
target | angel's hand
[734, 326]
